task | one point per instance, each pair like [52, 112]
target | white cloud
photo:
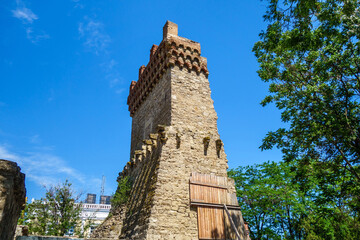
[43, 168]
[120, 90]
[94, 35]
[28, 17]
[97, 40]
[4, 154]
[112, 75]
[112, 64]
[35, 139]
[23, 13]
[78, 4]
[37, 36]
[43, 180]
[114, 82]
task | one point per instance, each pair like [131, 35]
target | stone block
[12, 197]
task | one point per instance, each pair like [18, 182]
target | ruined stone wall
[144, 173]
[12, 197]
[197, 121]
[174, 133]
[159, 206]
[112, 225]
[191, 147]
[153, 112]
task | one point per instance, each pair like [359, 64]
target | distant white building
[93, 214]
[94, 211]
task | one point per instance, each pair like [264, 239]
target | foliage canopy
[279, 206]
[55, 214]
[310, 55]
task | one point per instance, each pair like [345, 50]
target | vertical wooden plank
[209, 194]
[212, 221]
[219, 224]
[199, 223]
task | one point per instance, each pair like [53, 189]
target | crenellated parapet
[173, 50]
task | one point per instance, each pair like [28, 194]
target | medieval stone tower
[177, 161]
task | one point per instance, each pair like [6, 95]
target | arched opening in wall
[206, 142]
[219, 144]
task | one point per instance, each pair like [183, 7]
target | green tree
[278, 204]
[270, 202]
[334, 195]
[36, 215]
[55, 214]
[310, 55]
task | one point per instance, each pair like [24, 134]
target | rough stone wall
[144, 184]
[193, 115]
[174, 133]
[12, 197]
[188, 109]
[47, 238]
[191, 147]
[156, 110]
[112, 225]
[159, 205]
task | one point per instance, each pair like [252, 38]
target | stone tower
[177, 165]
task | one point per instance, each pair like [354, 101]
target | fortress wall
[184, 153]
[135, 223]
[174, 133]
[153, 112]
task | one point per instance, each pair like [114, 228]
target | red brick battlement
[173, 50]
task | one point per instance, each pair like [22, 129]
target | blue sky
[65, 71]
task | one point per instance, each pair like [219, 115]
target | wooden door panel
[211, 223]
[210, 192]
[208, 188]
[237, 219]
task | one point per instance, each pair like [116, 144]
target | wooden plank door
[209, 189]
[211, 223]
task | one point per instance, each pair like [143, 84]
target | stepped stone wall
[12, 197]
[112, 225]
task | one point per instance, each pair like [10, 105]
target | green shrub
[122, 192]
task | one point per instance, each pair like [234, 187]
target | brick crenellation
[172, 51]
